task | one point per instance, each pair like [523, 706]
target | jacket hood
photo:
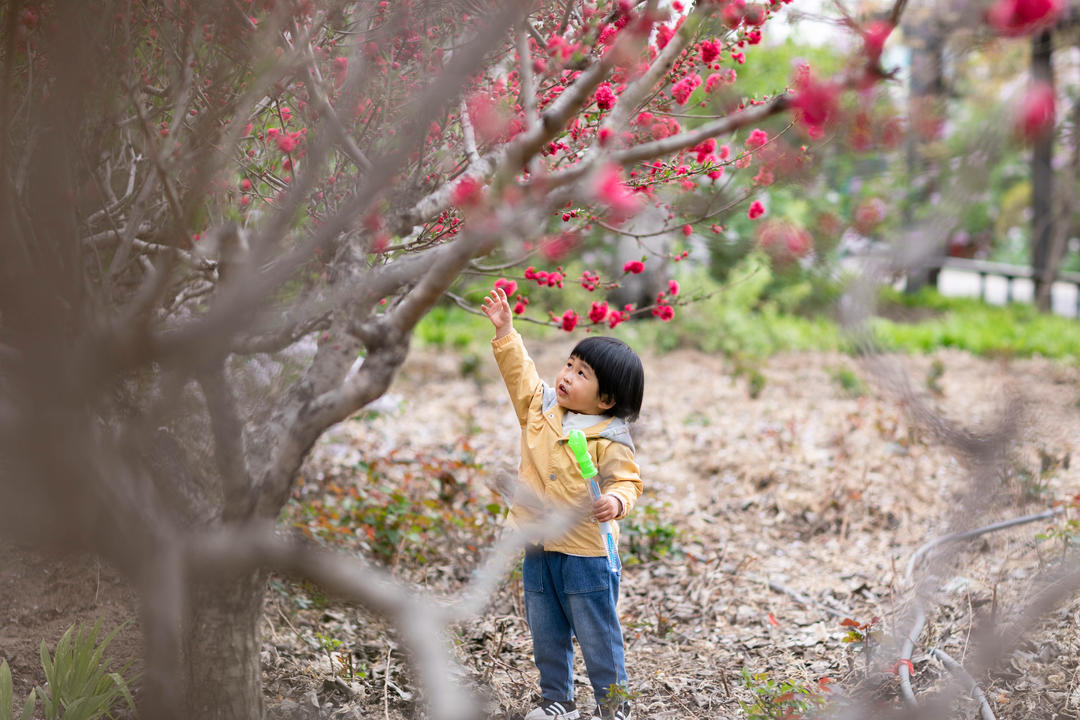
[615, 429]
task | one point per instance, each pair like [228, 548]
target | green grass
[737, 320]
[1015, 330]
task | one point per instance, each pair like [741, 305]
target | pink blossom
[341, 70]
[682, 89]
[1037, 113]
[568, 321]
[664, 312]
[703, 150]
[559, 246]
[664, 34]
[710, 50]
[757, 138]
[783, 241]
[634, 267]
[469, 192]
[673, 288]
[754, 15]
[687, 229]
[605, 97]
[245, 184]
[733, 13]
[725, 152]
[609, 189]
[817, 102]
[1022, 17]
[288, 143]
[868, 215]
[598, 312]
[756, 210]
[874, 36]
[739, 57]
[521, 304]
[509, 287]
[617, 317]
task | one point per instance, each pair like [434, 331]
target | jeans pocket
[585, 575]
[532, 570]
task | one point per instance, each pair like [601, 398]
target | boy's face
[577, 390]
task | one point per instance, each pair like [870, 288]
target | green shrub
[648, 535]
[7, 697]
[78, 686]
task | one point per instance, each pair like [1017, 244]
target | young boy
[569, 589]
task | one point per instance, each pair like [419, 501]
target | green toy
[580, 448]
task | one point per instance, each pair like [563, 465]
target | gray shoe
[554, 710]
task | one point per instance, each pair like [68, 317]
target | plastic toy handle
[580, 448]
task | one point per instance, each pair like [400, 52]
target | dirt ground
[791, 512]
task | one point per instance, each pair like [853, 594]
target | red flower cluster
[589, 280]
[874, 36]
[605, 97]
[756, 210]
[1037, 113]
[710, 50]
[682, 89]
[469, 192]
[783, 241]
[569, 320]
[758, 137]
[1023, 17]
[521, 304]
[598, 312]
[610, 190]
[507, 286]
[634, 266]
[817, 102]
[616, 316]
[664, 312]
[542, 277]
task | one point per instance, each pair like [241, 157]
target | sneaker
[554, 710]
[620, 713]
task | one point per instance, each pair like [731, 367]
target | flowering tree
[212, 210]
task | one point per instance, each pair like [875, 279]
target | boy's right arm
[515, 365]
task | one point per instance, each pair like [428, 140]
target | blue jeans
[567, 595]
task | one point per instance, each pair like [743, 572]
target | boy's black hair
[619, 374]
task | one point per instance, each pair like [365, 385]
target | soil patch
[772, 520]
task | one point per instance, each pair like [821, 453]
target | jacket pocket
[532, 570]
[585, 575]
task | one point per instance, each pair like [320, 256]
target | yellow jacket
[548, 467]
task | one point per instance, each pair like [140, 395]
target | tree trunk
[1042, 184]
[222, 643]
[926, 98]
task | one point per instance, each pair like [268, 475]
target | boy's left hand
[606, 507]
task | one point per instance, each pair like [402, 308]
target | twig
[972, 687]
[799, 597]
[386, 685]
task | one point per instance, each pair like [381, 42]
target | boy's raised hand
[497, 308]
